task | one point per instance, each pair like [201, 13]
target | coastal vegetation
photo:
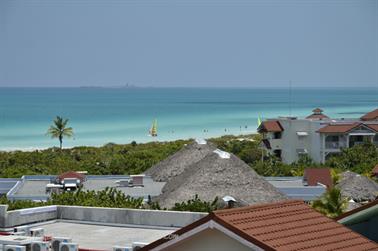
[136, 158]
[60, 130]
[197, 205]
[110, 197]
[109, 159]
[331, 203]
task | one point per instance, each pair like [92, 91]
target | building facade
[317, 135]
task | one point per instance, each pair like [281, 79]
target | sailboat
[153, 130]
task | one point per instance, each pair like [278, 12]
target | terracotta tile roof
[338, 128]
[373, 115]
[288, 225]
[270, 126]
[372, 126]
[314, 176]
[317, 114]
[71, 174]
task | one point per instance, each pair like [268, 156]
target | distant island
[125, 86]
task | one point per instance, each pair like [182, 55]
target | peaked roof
[270, 126]
[317, 114]
[358, 187]
[179, 161]
[314, 176]
[373, 115]
[338, 128]
[286, 225]
[216, 175]
[373, 126]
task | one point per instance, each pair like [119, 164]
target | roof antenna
[290, 97]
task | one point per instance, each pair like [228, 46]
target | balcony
[335, 144]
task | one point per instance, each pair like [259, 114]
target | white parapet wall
[156, 218]
[159, 218]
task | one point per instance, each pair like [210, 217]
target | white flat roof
[103, 237]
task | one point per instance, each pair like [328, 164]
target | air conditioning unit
[64, 246]
[14, 248]
[24, 229]
[138, 245]
[121, 248]
[37, 232]
[39, 246]
[55, 242]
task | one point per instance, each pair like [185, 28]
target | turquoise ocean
[122, 115]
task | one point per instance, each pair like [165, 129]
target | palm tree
[331, 203]
[59, 130]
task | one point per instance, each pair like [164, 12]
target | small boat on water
[153, 130]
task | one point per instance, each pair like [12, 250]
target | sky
[187, 43]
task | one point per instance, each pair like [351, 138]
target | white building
[316, 135]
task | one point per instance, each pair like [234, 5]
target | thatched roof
[357, 187]
[217, 175]
[176, 163]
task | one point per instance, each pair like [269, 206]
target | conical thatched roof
[357, 187]
[217, 175]
[176, 163]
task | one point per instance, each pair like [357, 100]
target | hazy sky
[188, 43]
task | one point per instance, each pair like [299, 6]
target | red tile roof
[338, 128]
[270, 126]
[372, 126]
[288, 225]
[373, 115]
[71, 174]
[317, 114]
[314, 176]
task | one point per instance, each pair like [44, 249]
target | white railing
[335, 144]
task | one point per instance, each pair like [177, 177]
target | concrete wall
[14, 218]
[128, 216]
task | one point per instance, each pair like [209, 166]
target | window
[277, 153]
[277, 135]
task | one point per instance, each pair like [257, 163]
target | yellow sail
[153, 130]
[258, 121]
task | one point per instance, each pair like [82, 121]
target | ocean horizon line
[266, 87]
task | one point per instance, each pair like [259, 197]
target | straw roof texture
[215, 176]
[179, 161]
[357, 187]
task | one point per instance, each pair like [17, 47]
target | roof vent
[201, 141]
[228, 198]
[222, 154]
